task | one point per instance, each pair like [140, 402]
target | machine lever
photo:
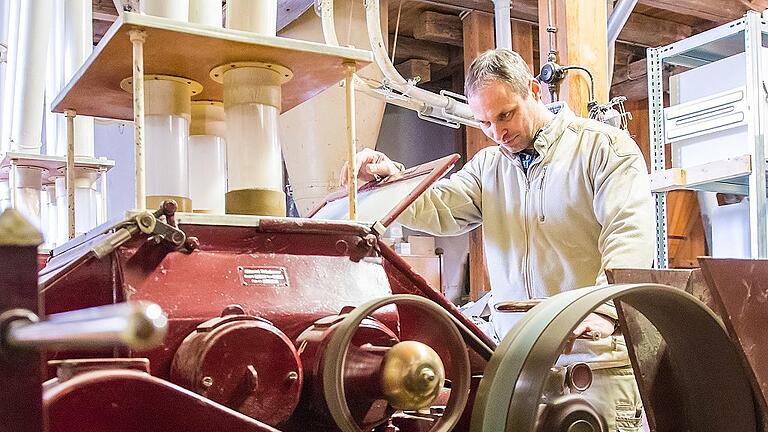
[137, 325]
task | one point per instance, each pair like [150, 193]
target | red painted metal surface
[21, 372]
[242, 362]
[131, 401]
[740, 289]
[367, 405]
[290, 272]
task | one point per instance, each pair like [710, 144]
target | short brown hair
[498, 64]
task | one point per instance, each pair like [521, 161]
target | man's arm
[623, 206]
[452, 205]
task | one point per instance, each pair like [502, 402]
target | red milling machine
[292, 324]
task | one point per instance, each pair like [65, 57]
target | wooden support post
[478, 37]
[349, 87]
[70, 171]
[138, 37]
[578, 41]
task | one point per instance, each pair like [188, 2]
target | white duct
[207, 12]
[28, 100]
[55, 125]
[78, 36]
[433, 107]
[5, 21]
[5, 195]
[10, 40]
[315, 152]
[252, 103]
[503, 25]
[172, 9]
[49, 192]
[258, 16]
[27, 184]
[166, 119]
[207, 157]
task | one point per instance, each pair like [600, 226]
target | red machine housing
[237, 305]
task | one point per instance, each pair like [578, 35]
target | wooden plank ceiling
[429, 32]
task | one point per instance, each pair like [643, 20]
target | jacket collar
[551, 132]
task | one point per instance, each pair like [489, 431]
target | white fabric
[584, 206]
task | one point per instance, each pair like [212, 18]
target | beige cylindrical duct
[166, 119]
[28, 98]
[86, 217]
[252, 102]
[206, 12]
[27, 185]
[62, 210]
[207, 157]
[172, 9]
[258, 16]
[254, 162]
[315, 152]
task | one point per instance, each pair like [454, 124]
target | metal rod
[138, 37]
[138, 325]
[70, 172]
[349, 88]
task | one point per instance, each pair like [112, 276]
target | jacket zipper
[542, 217]
[526, 279]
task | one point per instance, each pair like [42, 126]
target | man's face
[507, 118]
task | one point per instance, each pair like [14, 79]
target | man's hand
[594, 326]
[370, 166]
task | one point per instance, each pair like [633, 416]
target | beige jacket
[584, 206]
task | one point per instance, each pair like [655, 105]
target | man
[560, 199]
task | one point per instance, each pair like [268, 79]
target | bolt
[292, 376]
[427, 375]
[146, 220]
[177, 238]
[192, 243]
[207, 381]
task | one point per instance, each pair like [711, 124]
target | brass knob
[412, 375]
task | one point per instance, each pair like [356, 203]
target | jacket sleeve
[452, 205]
[623, 204]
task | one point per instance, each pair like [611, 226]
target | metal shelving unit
[740, 174]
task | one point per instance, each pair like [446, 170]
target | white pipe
[503, 24]
[27, 189]
[172, 9]
[28, 100]
[62, 218]
[49, 190]
[252, 106]
[9, 81]
[207, 157]
[207, 12]
[78, 36]
[258, 16]
[54, 142]
[5, 21]
[5, 195]
[168, 109]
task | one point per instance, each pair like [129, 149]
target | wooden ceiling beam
[719, 11]
[415, 68]
[289, 10]
[409, 48]
[437, 27]
[648, 31]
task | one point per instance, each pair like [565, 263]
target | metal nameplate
[263, 276]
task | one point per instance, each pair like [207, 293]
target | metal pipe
[503, 24]
[137, 325]
[349, 89]
[172, 9]
[616, 22]
[619, 18]
[138, 37]
[78, 45]
[451, 106]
